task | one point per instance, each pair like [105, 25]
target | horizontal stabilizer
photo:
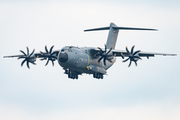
[120, 28]
[103, 28]
[128, 28]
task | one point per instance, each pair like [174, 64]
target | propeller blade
[122, 55]
[23, 52]
[130, 64]
[135, 63]
[109, 51]
[100, 59]
[32, 52]
[104, 54]
[46, 49]
[101, 51]
[33, 63]
[51, 49]
[136, 52]
[43, 59]
[52, 62]
[127, 50]
[27, 50]
[27, 58]
[132, 49]
[41, 53]
[49, 55]
[132, 56]
[104, 61]
[126, 60]
[110, 61]
[137, 57]
[27, 64]
[105, 47]
[47, 62]
[23, 62]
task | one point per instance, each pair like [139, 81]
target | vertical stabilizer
[112, 37]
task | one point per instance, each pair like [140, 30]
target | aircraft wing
[35, 55]
[123, 53]
[31, 57]
[120, 53]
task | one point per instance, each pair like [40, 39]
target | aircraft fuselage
[79, 60]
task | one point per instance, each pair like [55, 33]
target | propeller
[48, 55]
[132, 56]
[27, 58]
[104, 55]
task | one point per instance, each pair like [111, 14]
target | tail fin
[113, 33]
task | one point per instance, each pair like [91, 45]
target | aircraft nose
[63, 57]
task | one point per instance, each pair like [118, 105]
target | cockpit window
[63, 50]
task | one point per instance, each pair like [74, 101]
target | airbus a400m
[90, 60]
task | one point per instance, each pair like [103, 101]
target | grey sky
[149, 91]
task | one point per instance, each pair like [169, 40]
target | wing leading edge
[119, 53]
[28, 57]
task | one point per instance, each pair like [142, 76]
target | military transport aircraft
[90, 60]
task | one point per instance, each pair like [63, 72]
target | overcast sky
[149, 91]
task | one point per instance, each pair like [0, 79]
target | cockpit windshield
[67, 48]
[62, 50]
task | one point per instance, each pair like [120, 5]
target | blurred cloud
[139, 112]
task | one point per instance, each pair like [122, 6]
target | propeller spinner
[27, 58]
[104, 55]
[48, 55]
[132, 56]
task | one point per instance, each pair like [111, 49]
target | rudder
[112, 36]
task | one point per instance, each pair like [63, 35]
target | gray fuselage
[81, 60]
